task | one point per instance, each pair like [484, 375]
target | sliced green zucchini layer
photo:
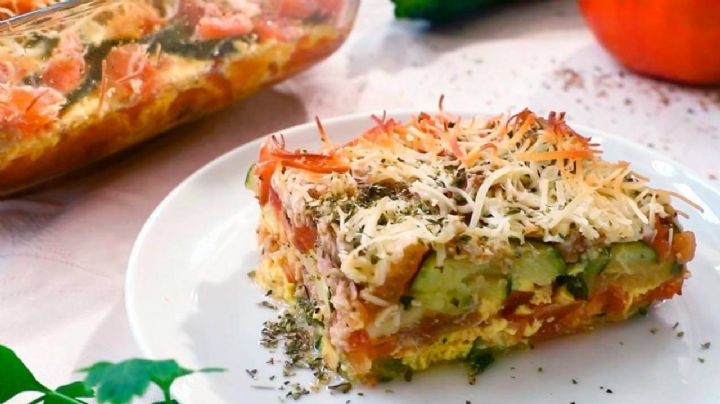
[458, 286]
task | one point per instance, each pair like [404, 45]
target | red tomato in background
[678, 40]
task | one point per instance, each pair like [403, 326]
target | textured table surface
[64, 250]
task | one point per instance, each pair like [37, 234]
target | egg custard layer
[445, 239]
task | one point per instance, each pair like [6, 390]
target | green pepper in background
[440, 11]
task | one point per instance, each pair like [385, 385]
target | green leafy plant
[115, 383]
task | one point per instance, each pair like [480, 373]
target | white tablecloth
[64, 250]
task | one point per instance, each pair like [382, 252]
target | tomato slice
[64, 73]
[223, 26]
[514, 300]
[304, 238]
[560, 319]
[281, 29]
[9, 8]
[359, 340]
[613, 300]
[683, 246]
[401, 273]
[298, 8]
[555, 311]
[28, 109]
[66, 66]
[660, 242]
[131, 70]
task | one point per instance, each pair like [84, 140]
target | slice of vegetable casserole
[443, 238]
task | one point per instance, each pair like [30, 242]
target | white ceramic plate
[189, 298]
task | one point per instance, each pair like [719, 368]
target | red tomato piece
[131, 70]
[66, 66]
[298, 8]
[223, 26]
[27, 109]
[359, 340]
[304, 237]
[661, 242]
[683, 246]
[514, 300]
[281, 29]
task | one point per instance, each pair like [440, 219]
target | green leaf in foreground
[15, 377]
[74, 390]
[118, 383]
[57, 398]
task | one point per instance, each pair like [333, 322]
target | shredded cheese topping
[439, 179]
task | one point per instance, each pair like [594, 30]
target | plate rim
[133, 267]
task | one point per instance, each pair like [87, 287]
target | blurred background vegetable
[669, 39]
[440, 10]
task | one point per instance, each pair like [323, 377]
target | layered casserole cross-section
[441, 239]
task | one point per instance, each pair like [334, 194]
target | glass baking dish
[80, 80]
